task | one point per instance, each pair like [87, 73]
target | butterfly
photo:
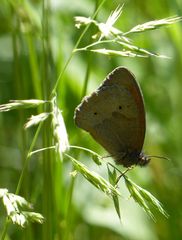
[114, 115]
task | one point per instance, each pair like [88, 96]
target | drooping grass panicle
[153, 201]
[107, 29]
[117, 36]
[34, 120]
[143, 197]
[135, 194]
[18, 209]
[81, 21]
[152, 25]
[59, 130]
[96, 180]
[140, 51]
[32, 217]
[3, 192]
[112, 179]
[111, 52]
[114, 16]
[17, 104]
[128, 49]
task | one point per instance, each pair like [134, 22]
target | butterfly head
[130, 158]
[143, 159]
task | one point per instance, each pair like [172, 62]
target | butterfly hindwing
[114, 114]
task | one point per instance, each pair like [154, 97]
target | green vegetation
[52, 53]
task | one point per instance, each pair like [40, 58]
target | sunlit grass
[35, 57]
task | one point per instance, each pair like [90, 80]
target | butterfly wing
[114, 115]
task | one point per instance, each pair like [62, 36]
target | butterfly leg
[123, 173]
[107, 156]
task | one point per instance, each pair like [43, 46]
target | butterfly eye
[95, 113]
[120, 107]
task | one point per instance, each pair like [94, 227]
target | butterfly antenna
[153, 156]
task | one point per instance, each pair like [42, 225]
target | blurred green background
[23, 57]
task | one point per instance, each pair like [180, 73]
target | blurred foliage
[23, 75]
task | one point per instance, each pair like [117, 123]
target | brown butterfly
[114, 115]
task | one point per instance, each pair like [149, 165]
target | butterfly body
[114, 115]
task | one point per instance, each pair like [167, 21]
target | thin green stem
[85, 149]
[69, 207]
[41, 150]
[72, 53]
[94, 44]
[27, 158]
[5, 229]
[84, 90]
[86, 78]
